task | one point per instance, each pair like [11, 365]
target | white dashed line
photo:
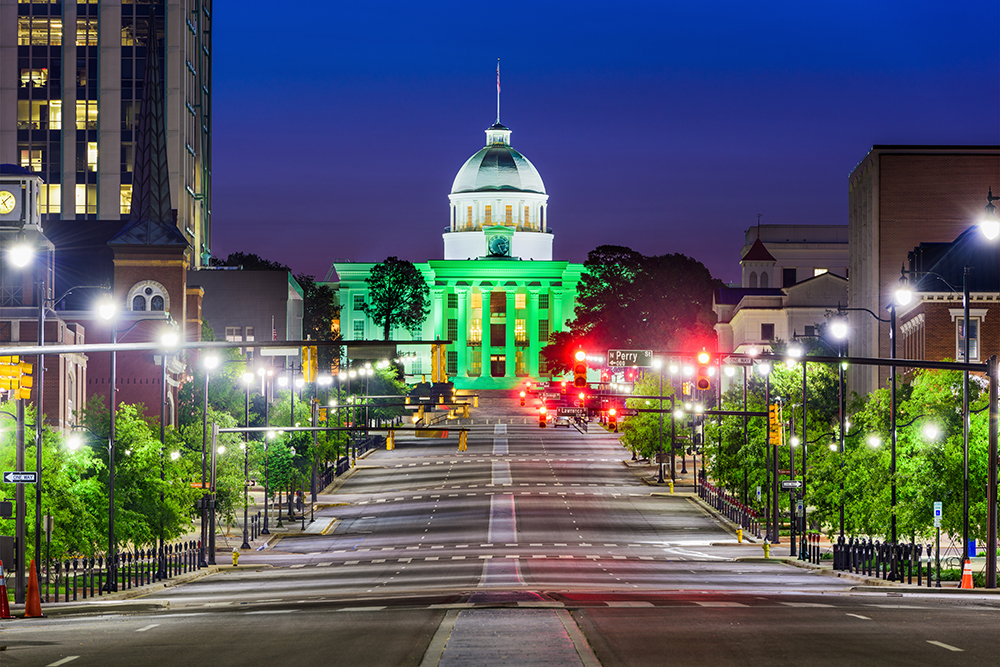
[943, 645]
[148, 627]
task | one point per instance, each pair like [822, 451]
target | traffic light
[522, 399]
[580, 369]
[542, 417]
[613, 419]
[583, 400]
[774, 424]
[703, 381]
[310, 363]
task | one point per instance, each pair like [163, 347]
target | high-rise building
[71, 82]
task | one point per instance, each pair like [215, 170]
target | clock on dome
[498, 246]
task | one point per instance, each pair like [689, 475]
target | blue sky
[666, 127]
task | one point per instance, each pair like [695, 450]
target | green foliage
[646, 432]
[397, 296]
[320, 312]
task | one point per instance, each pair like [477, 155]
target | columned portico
[510, 349]
[534, 345]
[461, 345]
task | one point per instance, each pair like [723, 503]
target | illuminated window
[489, 215]
[973, 339]
[39, 31]
[126, 199]
[91, 156]
[476, 362]
[35, 77]
[31, 160]
[520, 367]
[359, 330]
[359, 301]
[40, 115]
[86, 198]
[147, 295]
[498, 334]
[452, 362]
[498, 303]
[86, 115]
[128, 35]
[520, 331]
[543, 365]
[509, 216]
[520, 300]
[477, 300]
[86, 32]
[50, 202]
[234, 333]
[476, 331]
[527, 216]
[468, 218]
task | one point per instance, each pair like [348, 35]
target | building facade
[71, 82]
[497, 294]
[900, 196]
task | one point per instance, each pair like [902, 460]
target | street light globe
[657, 363]
[325, 379]
[839, 329]
[763, 368]
[833, 447]
[795, 351]
[300, 382]
[21, 254]
[904, 295]
[673, 369]
[341, 376]
[688, 370]
[729, 371]
[73, 442]
[752, 351]
[990, 227]
[874, 441]
[210, 361]
[795, 441]
[106, 309]
[352, 373]
[248, 377]
[174, 455]
[931, 430]
[282, 381]
[221, 449]
[332, 403]
[678, 414]
[270, 435]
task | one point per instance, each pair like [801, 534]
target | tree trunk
[386, 327]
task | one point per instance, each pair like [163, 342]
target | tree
[397, 296]
[252, 262]
[632, 301]
[320, 311]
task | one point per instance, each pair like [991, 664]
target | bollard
[739, 535]
[767, 549]
[671, 488]
[236, 557]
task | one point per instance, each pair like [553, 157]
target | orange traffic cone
[967, 575]
[4, 602]
[33, 603]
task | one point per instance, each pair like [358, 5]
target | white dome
[498, 167]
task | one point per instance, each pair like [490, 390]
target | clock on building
[8, 202]
[498, 246]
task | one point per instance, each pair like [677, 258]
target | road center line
[148, 627]
[943, 645]
[68, 658]
[863, 618]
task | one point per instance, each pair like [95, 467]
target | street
[534, 547]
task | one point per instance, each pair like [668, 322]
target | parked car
[562, 421]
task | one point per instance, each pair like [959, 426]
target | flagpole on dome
[498, 91]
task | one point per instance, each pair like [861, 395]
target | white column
[509, 319]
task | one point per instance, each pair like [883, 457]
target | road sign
[20, 477]
[572, 412]
[791, 484]
[620, 358]
[549, 396]
[738, 361]
[628, 412]
[937, 514]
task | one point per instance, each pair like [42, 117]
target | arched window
[753, 279]
[156, 303]
[763, 279]
[139, 302]
[149, 295]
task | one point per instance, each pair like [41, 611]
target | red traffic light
[612, 412]
[580, 355]
[522, 394]
[582, 396]
[542, 410]
[704, 357]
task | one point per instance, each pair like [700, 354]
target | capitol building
[497, 294]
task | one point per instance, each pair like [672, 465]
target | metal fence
[89, 577]
[881, 560]
[730, 508]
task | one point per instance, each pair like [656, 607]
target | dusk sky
[666, 127]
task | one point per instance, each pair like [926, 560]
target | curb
[103, 606]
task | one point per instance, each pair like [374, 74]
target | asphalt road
[534, 547]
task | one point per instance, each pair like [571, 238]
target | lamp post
[839, 329]
[658, 364]
[169, 340]
[247, 379]
[764, 369]
[209, 363]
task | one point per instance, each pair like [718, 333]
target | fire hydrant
[767, 550]
[236, 557]
[671, 488]
[739, 535]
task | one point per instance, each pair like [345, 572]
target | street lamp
[209, 363]
[247, 380]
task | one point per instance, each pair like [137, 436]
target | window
[125, 199]
[753, 279]
[86, 32]
[913, 338]
[452, 362]
[148, 295]
[489, 215]
[476, 331]
[520, 367]
[973, 339]
[543, 301]
[810, 330]
[787, 277]
[498, 335]
[476, 362]
[477, 300]
[520, 300]
[468, 217]
[520, 331]
[764, 282]
[31, 160]
[248, 333]
[417, 367]
[498, 365]
[359, 301]
[452, 329]
[509, 215]
[139, 302]
[156, 303]
[86, 115]
[767, 331]
[543, 365]
[359, 330]
[543, 331]
[36, 77]
[527, 216]
[498, 304]
[453, 301]
[234, 333]
[39, 115]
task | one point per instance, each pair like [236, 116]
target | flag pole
[498, 91]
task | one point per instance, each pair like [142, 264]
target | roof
[149, 233]
[948, 261]
[757, 253]
[733, 295]
[8, 168]
[498, 168]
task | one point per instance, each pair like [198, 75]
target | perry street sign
[791, 484]
[20, 477]
[620, 358]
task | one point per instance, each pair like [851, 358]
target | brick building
[900, 196]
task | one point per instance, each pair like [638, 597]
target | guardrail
[882, 560]
[730, 508]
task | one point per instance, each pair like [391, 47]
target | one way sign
[20, 477]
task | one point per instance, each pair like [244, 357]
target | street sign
[791, 484]
[738, 361]
[20, 477]
[937, 514]
[619, 358]
[628, 412]
[572, 412]
[548, 396]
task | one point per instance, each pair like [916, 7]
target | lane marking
[863, 618]
[805, 605]
[148, 627]
[68, 658]
[272, 611]
[719, 603]
[943, 645]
